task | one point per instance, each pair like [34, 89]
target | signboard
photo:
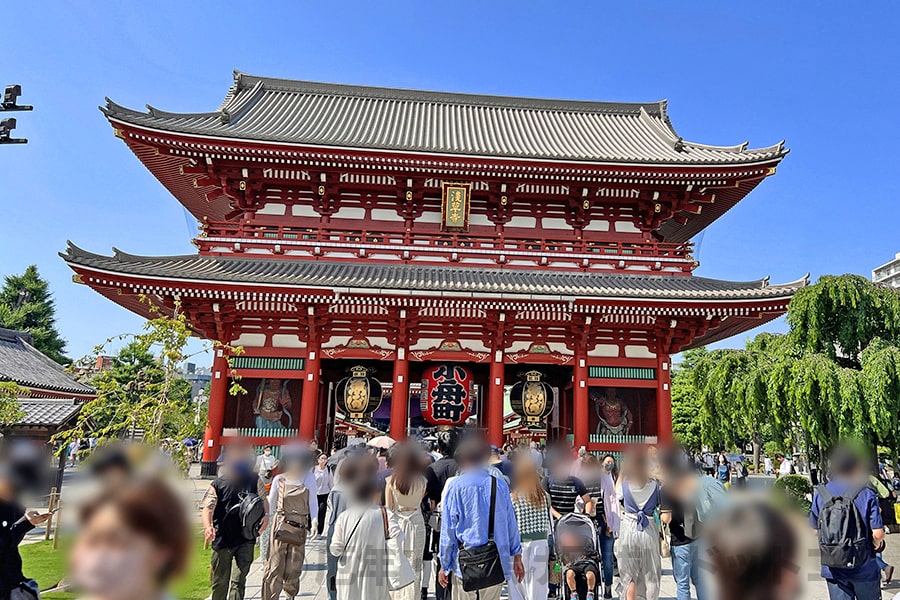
[455, 201]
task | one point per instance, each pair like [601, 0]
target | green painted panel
[270, 363]
[643, 373]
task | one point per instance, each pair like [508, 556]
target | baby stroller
[577, 547]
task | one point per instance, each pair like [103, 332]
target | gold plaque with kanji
[455, 206]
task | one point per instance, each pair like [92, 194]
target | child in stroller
[577, 548]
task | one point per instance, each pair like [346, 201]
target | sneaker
[574, 596]
[888, 573]
[607, 592]
[590, 596]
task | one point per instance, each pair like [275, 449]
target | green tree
[26, 304]
[144, 389]
[835, 375]
[686, 400]
[840, 316]
[736, 406]
[10, 411]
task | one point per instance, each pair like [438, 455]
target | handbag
[291, 533]
[481, 566]
[399, 570]
[288, 532]
[665, 546]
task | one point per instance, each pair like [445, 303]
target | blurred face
[562, 466]
[239, 460]
[110, 561]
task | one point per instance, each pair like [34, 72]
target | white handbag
[399, 571]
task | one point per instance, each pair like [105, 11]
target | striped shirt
[564, 492]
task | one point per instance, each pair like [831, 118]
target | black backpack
[845, 541]
[249, 512]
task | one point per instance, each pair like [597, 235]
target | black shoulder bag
[481, 567]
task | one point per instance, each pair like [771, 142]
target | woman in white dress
[637, 549]
[359, 537]
[403, 493]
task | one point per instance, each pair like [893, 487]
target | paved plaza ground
[313, 588]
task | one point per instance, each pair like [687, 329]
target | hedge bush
[793, 490]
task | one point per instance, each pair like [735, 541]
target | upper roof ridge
[267, 109]
[243, 81]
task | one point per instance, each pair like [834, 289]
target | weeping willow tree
[735, 396]
[685, 400]
[835, 375]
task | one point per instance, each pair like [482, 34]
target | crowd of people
[468, 520]
[465, 519]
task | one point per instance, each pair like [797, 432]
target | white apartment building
[888, 273]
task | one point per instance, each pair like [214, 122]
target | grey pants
[228, 583]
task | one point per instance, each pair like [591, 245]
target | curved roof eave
[657, 143]
[281, 273]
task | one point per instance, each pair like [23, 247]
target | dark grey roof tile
[48, 412]
[305, 273]
[23, 364]
[302, 112]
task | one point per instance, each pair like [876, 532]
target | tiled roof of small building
[47, 412]
[348, 116]
[22, 363]
[303, 273]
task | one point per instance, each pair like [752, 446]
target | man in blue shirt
[466, 511]
[848, 473]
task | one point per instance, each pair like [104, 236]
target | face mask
[108, 572]
[608, 467]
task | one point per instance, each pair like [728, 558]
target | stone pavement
[312, 582]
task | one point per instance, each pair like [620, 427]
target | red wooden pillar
[496, 388]
[495, 400]
[580, 411]
[309, 401]
[663, 398]
[400, 395]
[218, 392]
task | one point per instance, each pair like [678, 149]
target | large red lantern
[447, 395]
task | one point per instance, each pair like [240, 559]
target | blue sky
[822, 75]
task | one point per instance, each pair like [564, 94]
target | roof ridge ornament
[240, 103]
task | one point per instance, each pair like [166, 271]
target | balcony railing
[254, 432]
[455, 247]
[626, 440]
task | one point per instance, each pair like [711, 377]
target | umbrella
[382, 442]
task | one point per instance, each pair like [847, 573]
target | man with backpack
[848, 523]
[234, 511]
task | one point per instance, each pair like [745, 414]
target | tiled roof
[48, 412]
[323, 114]
[305, 273]
[25, 365]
